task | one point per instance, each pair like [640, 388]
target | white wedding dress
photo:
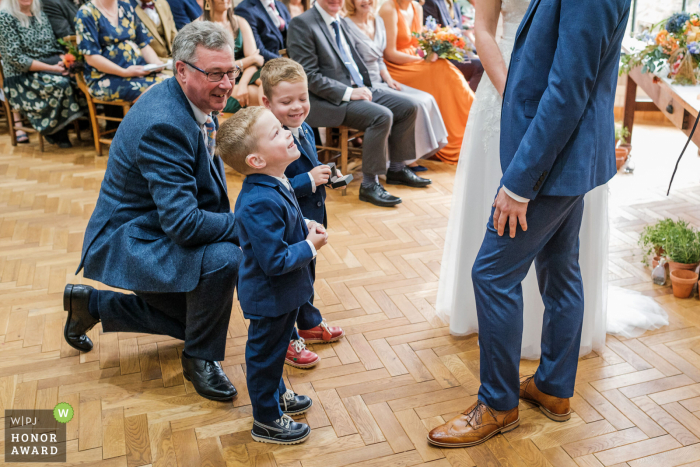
[476, 182]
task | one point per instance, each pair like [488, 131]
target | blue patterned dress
[121, 45]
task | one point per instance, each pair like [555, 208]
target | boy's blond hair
[236, 138]
[280, 69]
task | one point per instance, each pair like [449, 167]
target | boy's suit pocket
[530, 108]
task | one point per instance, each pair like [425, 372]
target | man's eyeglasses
[216, 76]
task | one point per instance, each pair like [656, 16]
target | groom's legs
[500, 267]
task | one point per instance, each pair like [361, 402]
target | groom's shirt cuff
[517, 198]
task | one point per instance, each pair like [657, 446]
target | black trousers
[199, 317]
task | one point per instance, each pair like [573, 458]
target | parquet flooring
[377, 392]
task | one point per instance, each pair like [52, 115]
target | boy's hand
[321, 174]
[318, 239]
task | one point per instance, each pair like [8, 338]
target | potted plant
[682, 247]
[652, 240]
[621, 152]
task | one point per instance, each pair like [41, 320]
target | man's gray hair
[209, 35]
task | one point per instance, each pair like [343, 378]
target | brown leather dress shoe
[478, 424]
[555, 408]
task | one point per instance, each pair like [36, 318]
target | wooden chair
[98, 135]
[22, 124]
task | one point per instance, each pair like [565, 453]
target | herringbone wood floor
[376, 392]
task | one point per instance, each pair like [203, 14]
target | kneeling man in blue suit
[163, 225]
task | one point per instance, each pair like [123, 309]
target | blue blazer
[439, 11]
[184, 12]
[557, 126]
[313, 205]
[275, 277]
[162, 200]
[268, 38]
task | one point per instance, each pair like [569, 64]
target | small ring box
[336, 181]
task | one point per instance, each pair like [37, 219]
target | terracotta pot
[673, 266]
[620, 157]
[683, 282]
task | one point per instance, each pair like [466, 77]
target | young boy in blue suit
[286, 94]
[275, 277]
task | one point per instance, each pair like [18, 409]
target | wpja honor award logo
[37, 435]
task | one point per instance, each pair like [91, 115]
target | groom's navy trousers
[551, 241]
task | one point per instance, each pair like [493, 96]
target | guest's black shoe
[406, 177]
[208, 379]
[75, 301]
[281, 431]
[293, 404]
[377, 195]
[417, 168]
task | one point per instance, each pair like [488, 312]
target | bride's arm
[487, 14]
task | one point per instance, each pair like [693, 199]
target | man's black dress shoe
[208, 379]
[281, 431]
[292, 403]
[406, 177]
[80, 321]
[377, 195]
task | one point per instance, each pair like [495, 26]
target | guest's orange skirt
[451, 91]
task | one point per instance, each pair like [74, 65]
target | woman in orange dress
[433, 75]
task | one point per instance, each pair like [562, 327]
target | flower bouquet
[73, 60]
[444, 42]
[671, 47]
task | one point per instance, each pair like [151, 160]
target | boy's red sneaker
[299, 357]
[322, 334]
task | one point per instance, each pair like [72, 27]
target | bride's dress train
[475, 187]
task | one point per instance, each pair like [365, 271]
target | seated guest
[447, 13]
[163, 225]
[279, 247]
[248, 59]
[36, 82]
[269, 20]
[61, 14]
[341, 93]
[433, 75]
[185, 11]
[158, 19]
[370, 38]
[295, 7]
[116, 47]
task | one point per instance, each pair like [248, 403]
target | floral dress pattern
[120, 44]
[49, 101]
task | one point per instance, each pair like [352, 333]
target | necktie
[271, 6]
[357, 79]
[211, 135]
[305, 143]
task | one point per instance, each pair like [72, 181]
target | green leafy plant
[653, 238]
[621, 133]
[683, 244]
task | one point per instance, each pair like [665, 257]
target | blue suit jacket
[268, 38]
[312, 204]
[162, 200]
[275, 277]
[438, 10]
[557, 127]
[184, 12]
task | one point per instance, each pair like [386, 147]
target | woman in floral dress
[115, 45]
[36, 82]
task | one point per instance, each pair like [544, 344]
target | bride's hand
[508, 211]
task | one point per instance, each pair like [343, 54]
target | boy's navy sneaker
[292, 403]
[282, 431]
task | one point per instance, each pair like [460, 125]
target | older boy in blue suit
[557, 143]
[276, 276]
[269, 20]
[286, 94]
[163, 225]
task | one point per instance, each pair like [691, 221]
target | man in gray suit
[341, 93]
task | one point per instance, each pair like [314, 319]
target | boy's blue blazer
[275, 277]
[313, 205]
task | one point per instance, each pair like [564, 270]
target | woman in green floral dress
[36, 82]
[115, 45]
